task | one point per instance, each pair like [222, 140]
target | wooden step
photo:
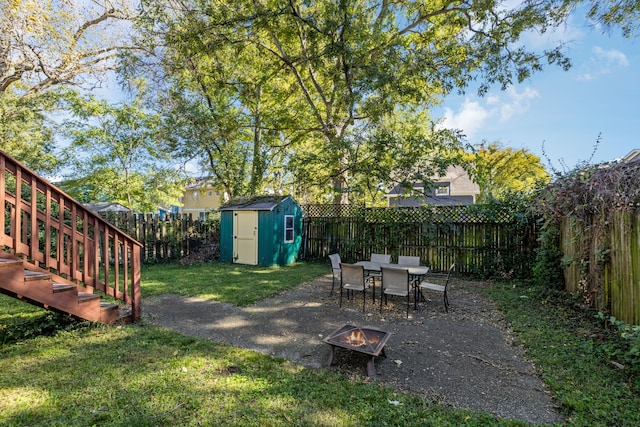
[109, 313]
[41, 288]
[63, 287]
[9, 262]
[84, 297]
[30, 275]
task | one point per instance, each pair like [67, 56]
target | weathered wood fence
[605, 267]
[167, 237]
[481, 240]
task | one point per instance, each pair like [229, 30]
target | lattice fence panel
[482, 240]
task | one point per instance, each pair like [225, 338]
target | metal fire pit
[362, 340]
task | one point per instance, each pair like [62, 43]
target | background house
[200, 197]
[632, 156]
[454, 188]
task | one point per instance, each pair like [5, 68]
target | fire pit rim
[350, 328]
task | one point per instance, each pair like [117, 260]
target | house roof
[106, 207]
[431, 200]
[200, 182]
[632, 156]
[259, 203]
[460, 183]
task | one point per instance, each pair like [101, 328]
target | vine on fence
[589, 195]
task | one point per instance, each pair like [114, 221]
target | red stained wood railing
[49, 229]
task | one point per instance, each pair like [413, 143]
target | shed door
[245, 237]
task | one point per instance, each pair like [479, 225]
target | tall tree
[45, 46]
[117, 156]
[223, 106]
[623, 14]
[501, 171]
[350, 64]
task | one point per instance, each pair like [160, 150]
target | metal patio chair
[335, 269]
[435, 287]
[408, 260]
[395, 281]
[352, 278]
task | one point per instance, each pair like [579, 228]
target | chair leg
[341, 295]
[407, 304]
[333, 283]
[446, 302]
[373, 287]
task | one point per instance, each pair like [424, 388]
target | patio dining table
[416, 273]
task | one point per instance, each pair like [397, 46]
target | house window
[209, 193]
[288, 228]
[442, 190]
[202, 216]
[195, 194]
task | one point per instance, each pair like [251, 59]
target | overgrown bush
[626, 349]
[48, 324]
[547, 267]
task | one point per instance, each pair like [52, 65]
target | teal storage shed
[265, 230]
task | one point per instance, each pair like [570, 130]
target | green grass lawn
[85, 374]
[231, 283]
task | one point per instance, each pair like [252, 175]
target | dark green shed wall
[226, 236]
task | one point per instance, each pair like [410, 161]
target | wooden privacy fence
[481, 240]
[605, 266]
[167, 237]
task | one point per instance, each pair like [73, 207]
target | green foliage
[611, 14]
[504, 172]
[585, 198]
[338, 92]
[48, 323]
[117, 156]
[26, 132]
[45, 48]
[547, 268]
[626, 348]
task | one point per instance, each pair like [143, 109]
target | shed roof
[259, 203]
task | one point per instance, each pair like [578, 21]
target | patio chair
[380, 259]
[335, 269]
[352, 278]
[424, 285]
[395, 281]
[408, 260]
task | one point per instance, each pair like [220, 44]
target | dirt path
[464, 358]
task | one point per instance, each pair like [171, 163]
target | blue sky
[565, 111]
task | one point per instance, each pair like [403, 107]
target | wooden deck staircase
[56, 254]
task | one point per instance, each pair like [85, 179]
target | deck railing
[49, 229]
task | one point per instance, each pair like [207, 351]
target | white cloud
[470, 117]
[473, 115]
[612, 57]
[518, 102]
[603, 62]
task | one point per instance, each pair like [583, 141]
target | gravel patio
[464, 358]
